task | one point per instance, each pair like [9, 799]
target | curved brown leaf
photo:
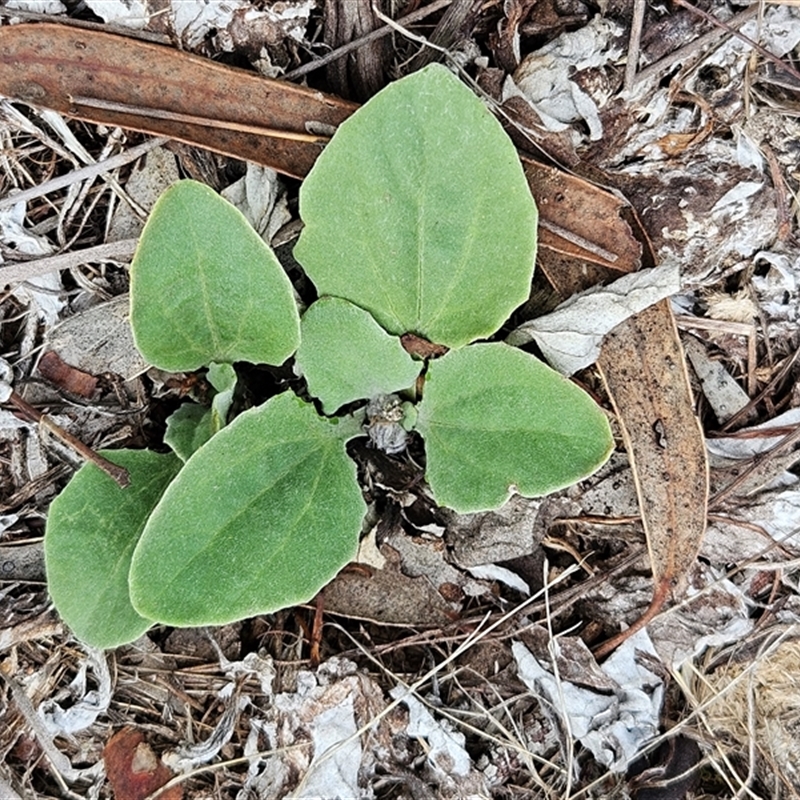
[644, 368]
[115, 80]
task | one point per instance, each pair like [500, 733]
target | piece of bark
[22, 562]
[453, 28]
[361, 73]
[53, 369]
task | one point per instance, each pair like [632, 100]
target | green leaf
[92, 529]
[419, 212]
[494, 417]
[223, 378]
[205, 287]
[191, 425]
[261, 517]
[345, 355]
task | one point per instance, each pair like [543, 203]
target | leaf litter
[711, 203]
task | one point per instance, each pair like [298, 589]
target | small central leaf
[260, 518]
[345, 355]
[419, 212]
[494, 417]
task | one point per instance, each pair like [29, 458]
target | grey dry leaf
[545, 77]
[724, 395]
[334, 769]
[260, 195]
[328, 710]
[761, 528]
[85, 704]
[571, 336]
[612, 725]
[99, 340]
[778, 291]
[388, 596]
[148, 179]
[427, 559]
[754, 440]
[127, 13]
[449, 762]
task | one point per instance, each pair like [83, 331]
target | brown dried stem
[660, 596]
[119, 474]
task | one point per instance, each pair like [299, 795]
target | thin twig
[783, 445]
[111, 251]
[634, 42]
[579, 241]
[89, 171]
[119, 474]
[683, 53]
[743, 412]
[194, 119]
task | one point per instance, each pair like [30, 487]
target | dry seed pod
[384, 417]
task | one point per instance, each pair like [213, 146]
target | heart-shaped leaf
[92, 529]
[261, 517]
[345, 355]
[205, 287]
[494, 417]
[433, 227]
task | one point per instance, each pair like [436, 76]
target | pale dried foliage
[748, 710]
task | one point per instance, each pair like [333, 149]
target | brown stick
[119, 474]
[660, 596]
[316, 631]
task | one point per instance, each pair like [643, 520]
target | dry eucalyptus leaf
[388, 597]
[644, 370]
[724, 395]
